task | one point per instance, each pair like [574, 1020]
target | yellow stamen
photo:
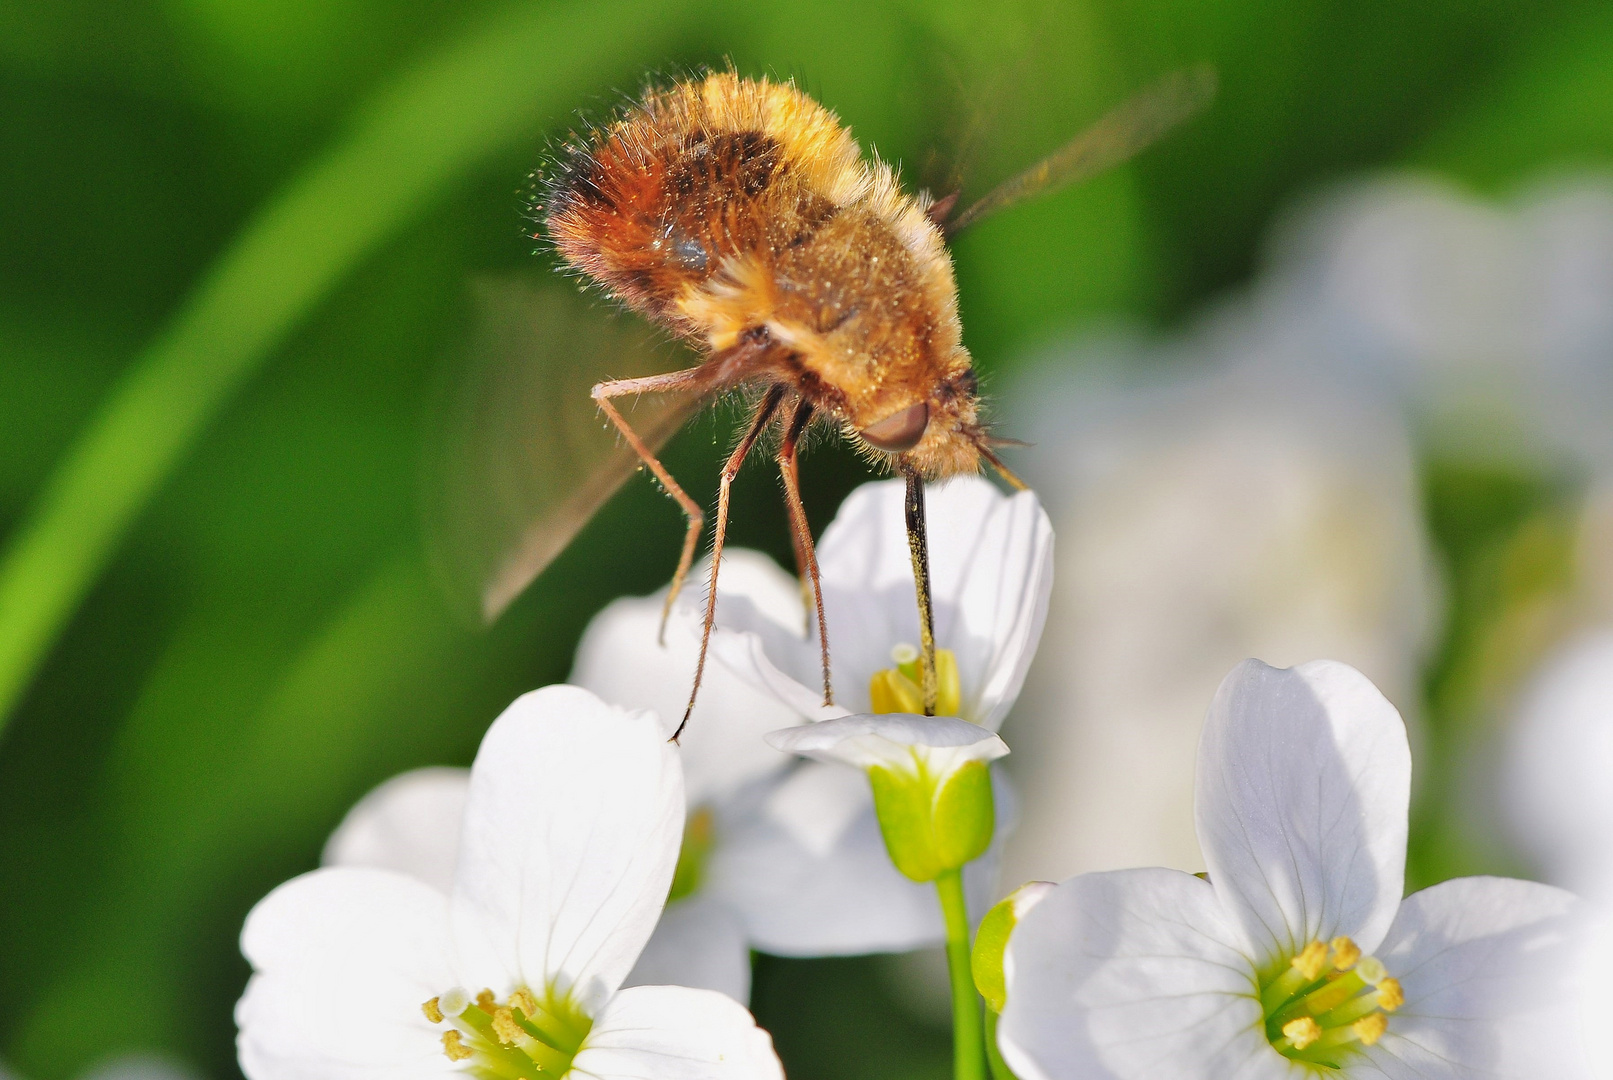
[1369, 1029]
[433, 1011]
[454, 1047]
[1312, 961]
[486, 1001]
[897, 689]
[522, 999]
[1345, 953]
[1390, 995]
[505, 1027]
[1302, 1032]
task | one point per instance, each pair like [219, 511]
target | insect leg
[764, 413]
[918, 546]
[676, 380]
[806, 557]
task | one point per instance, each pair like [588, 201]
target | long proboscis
[1121, 133]
[918, 546]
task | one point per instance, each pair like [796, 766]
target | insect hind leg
[806, 556]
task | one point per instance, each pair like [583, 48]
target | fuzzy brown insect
[740, 215]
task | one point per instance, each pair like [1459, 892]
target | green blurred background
[235, 243]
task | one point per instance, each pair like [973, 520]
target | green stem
[994, 1056]
[968, 1034]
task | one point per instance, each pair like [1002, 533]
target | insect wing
[524, 458]
[1120, 134]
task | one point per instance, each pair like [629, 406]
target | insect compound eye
[900, 431]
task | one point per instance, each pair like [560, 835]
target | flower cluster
[586, 898]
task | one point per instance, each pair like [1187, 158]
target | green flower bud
[991, 941]
[931, 779]
[933, 824]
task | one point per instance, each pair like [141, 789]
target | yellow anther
[1345, 953]
[433, 1011]
[453, 1047]
[898, 689]
[1390, 995]
[486, 1001]
[1302, 1032]
[522, 999]
[889, 691]
[505, 1027]
[1369, 1029]
[1312, 961]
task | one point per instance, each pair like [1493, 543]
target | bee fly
[741, 216]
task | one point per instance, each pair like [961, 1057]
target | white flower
[571, 831]
[991, 564]
[804, 859]
[1208, 509]
[1297, 957]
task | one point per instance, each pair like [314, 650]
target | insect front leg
[806, 556]
[677, 380]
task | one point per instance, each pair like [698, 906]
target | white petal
[816, 804]
[343, 959]
[891, 739]
[622, 659]
[1487, 966]
[411, 824]
[699, 942]
[675, 1033]
[1303, 781]
[1133, 975]
[843, 900]
[571, 835]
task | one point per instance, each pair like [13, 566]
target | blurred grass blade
[412, 141]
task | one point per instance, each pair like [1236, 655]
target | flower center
[899, 689]
[520, 1039]
[1327, 1002]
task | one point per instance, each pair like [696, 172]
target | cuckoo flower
[571, 829]
[412, 823]
[1297, 958]
[808, 863]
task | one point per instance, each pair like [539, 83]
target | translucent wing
[1121, 133]
[523, 458]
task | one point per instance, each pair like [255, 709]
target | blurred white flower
[1267, 969]
[572, 826]
[1558, 781]
[1208, 509]
[1492, 320]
